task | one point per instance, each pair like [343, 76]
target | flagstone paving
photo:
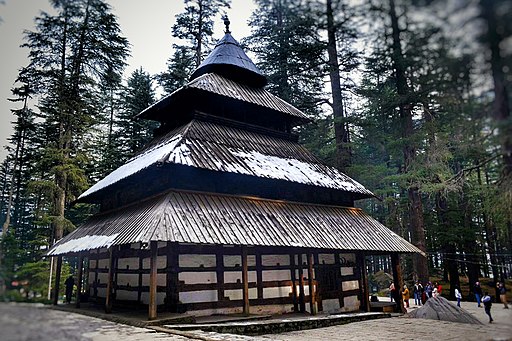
[20, 322]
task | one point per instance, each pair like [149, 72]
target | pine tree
[70, 53]
[195, 27]
[132, 134]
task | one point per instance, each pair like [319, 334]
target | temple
[224, 212]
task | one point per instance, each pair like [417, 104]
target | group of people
[421, 294]
[486, 299]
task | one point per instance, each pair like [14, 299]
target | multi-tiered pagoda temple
[225, 212]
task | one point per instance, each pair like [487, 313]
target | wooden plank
[339, 282]
[294, 282]
[141, 264]
[363, 281]
[302, 296]
[219, 260]
[79, 280]
[108, 297]
[259, 274]
[172, 287]
[153, 280]
[312, 290]
[245, 280]
[57, 280]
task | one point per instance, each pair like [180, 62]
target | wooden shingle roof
[203, 218]
[221, 148]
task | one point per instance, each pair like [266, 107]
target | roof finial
[226, 22]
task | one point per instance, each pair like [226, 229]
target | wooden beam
[58, 269]
[312, 290]
[363, 282]
[153, 280]
[79, 280]
[245, 280]
[293, 277]
[110, 277]
[397, 279]
[172, 273]
[302, 298]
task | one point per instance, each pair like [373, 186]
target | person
[487, 300]
[503, 294]
[417, 292]
[70, 282]
[458, 295]
[478, 293]
[392, 291]
[428, 290]
[434, 291]
[406, 296]
[439, 289]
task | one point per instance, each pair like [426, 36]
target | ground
[20, 322]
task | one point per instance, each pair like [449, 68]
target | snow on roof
[136, 164]
[224, 149]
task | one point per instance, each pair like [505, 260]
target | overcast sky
[146, 23]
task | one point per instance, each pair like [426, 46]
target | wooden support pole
[294, 282]
[363, 282]
[302, 298]
[245, 280]
[312, 290]
[58, 269]
[172, 291]
[108, 297]
[79, 280]
[397, 279]
[153, 280]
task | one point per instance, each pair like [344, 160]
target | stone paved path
[30, 322]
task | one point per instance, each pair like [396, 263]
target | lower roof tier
[203, 218]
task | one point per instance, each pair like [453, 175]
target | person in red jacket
[439, 289]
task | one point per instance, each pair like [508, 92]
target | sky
[146, 24]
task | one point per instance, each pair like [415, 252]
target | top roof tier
[229, 60]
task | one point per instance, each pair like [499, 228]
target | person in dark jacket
[503, 294]
[418, 290]
[487, 300]
[70, 282]
[478, 293]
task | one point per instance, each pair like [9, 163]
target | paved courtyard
[20, 322]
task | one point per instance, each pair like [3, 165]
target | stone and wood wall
[209, 279]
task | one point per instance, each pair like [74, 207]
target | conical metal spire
[228, 59]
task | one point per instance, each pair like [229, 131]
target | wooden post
[79, 280]
[108, 297]
[294, 283]
[302, 299]
[172, 292]
[363, 282]
[57, 280]
[245, 280]
[312, 291]
[397, 279]
[153, 280]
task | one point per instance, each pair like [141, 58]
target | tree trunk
[495, 37]
[415, 204]
[341, 133]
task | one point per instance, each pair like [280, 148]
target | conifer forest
[411, 98]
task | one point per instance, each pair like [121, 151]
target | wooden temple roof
[203, 218]
[219, 85]
[222, 148]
